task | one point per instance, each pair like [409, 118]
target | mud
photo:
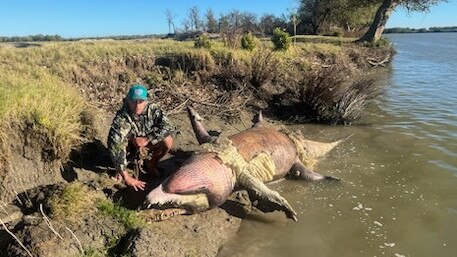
[194, 235]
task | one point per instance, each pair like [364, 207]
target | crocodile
[246, 160]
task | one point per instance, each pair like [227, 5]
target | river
[398, 194]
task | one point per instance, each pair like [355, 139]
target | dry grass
[46, 86]
[74, 201]
[30, 95]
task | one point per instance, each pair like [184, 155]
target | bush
[202, 42]
[248, 42]
[281, 39]
[383, 42]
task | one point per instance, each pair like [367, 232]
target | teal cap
[138, 92]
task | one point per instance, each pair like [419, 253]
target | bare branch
[15, 238]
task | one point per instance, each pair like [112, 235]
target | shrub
[248, 42]
[281, 39]
[231, 39]
[383, 42]
[202, 42]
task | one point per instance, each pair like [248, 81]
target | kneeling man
[138, 124]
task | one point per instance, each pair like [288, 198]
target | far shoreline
[402, 30]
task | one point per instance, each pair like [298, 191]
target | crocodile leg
[159, 199]
[263, 198]
[299, 171]
[200, 132]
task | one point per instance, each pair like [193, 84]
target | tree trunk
[378, 25]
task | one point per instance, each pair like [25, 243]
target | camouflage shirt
[152, 123]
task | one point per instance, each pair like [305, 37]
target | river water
[398, 195]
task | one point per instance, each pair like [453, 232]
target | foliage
[351, 16]
[195, 21]
[73, 201]
[202, 42]
[384, 11]
[30, 95]
[383, 42]
[211, 21]
[129, 218]
[268, 22]
[421, 30]
[30, 38]
[248, 42]
[281, 39]
[417, 5]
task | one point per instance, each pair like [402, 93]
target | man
[139, 123]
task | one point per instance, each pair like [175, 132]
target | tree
[313, 13]
[211, 21]
[268, 22]
[170, 22]
[329, 16]
[385, 10]
[193, 15]
[293, 17]
[230, 28]
[249, 22]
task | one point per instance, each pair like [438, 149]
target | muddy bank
[45, 233]
[226, 89]
[323, 83]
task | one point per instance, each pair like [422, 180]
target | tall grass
[32, 97]
[41, 86]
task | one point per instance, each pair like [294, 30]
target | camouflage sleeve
[162, 125]
[117, 142]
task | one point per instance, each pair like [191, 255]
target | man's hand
[131, 181]
[141, 141]
[135, 183]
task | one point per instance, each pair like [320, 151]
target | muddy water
[398, 196]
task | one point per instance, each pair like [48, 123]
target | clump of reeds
[334, 99]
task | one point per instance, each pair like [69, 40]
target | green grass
[128, 218]
[76, 199]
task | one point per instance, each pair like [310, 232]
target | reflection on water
[399, 189]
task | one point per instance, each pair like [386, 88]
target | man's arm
[162, 125]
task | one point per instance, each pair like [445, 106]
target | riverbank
[57, 100]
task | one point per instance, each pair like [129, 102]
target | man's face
[137, 106]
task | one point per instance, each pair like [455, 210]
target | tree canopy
[386, 8]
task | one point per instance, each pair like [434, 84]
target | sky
[90, 18]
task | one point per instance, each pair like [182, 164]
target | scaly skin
[204, 181]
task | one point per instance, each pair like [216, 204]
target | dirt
[32, 165]
[37, 175]
[192, 235]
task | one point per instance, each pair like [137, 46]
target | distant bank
[421, 30]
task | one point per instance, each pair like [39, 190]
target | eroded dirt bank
[324, 87]
[45, 233]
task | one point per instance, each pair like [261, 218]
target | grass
[127, 217]
[31, 96]
[40, 86]
[76, 199]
